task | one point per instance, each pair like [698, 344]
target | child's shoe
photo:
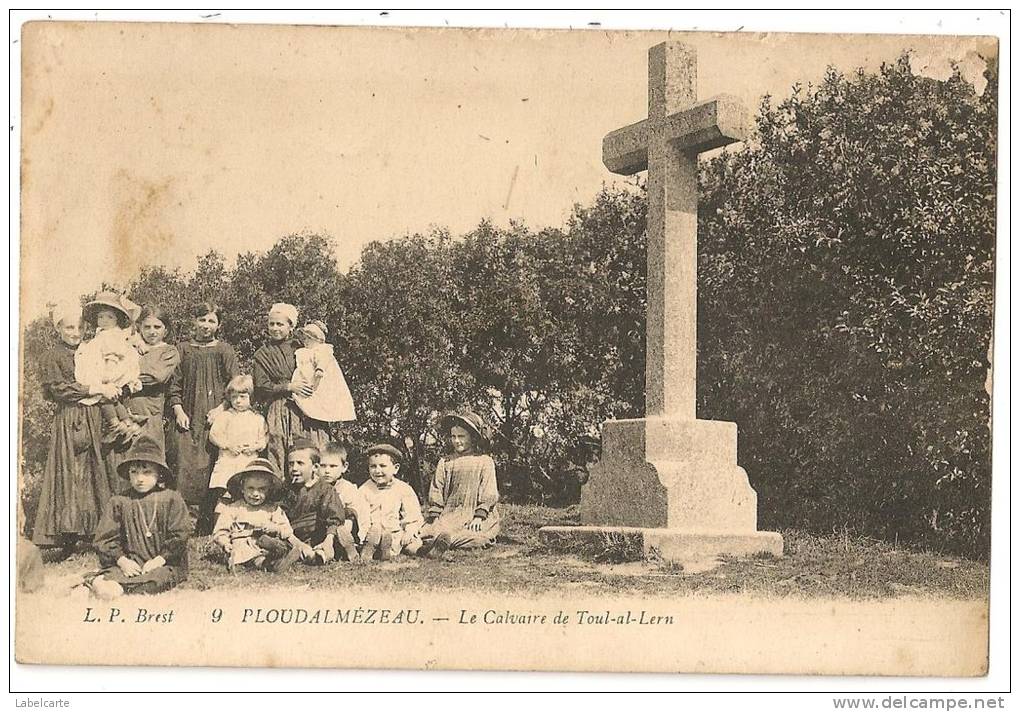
[386, 547]
[352, 554]
[440, 545]
[285, 562]
[116, 433]
[368, 552]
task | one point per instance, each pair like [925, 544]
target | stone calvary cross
[670, 479]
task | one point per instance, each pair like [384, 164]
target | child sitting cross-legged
[312, 505]
[357, 530]
[253, 530]
[394, 505]
[142, 537]
[462, 508]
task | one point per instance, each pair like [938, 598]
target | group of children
[318, 518]
[228, 458]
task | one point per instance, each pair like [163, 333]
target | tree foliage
[846, 305]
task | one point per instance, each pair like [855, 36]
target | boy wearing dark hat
[253, 530]
[312, 505]
[142, 537]
[393, 503]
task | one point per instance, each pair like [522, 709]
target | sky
[153, 143]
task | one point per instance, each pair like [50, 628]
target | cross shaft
[666, 144]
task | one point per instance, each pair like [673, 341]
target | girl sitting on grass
[461, 512]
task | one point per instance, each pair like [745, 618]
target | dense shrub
[846, 305]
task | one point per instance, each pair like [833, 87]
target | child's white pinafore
[231, 429]
[332, 400]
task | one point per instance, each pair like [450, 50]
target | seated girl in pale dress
[253, 530]
[239, 432]
[331, 399]
[462, 512]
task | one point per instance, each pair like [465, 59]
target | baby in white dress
[331, 400]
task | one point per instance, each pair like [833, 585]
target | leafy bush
[846, 305]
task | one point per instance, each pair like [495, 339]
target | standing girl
[197, 386]
[157, 365]
[462, 510]
[273, 370]
[76, 482]
[238, 431]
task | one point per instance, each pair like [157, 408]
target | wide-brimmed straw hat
[468, 420]
[261, 467]
[144, 449]
[118, 302]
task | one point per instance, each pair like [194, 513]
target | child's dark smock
[198, 385]
[314, 512]
[142, 527]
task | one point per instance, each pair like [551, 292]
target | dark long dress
[272, 371]
[198, 385]
[76, 482]
[157, 365]
[142, 527]
[157, 368]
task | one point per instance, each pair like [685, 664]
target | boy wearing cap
[142, 537]
[393, 503]
[253, 530]
[314, 509]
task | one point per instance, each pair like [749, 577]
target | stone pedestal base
[671, 485]
[666, 544]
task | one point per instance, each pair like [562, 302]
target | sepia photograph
[505, 349]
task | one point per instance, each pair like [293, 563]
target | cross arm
[709, 124]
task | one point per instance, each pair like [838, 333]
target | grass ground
[812, 566]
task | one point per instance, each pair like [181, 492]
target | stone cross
[667, 144]
[669, 480]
